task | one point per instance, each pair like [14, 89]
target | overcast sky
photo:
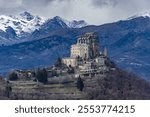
[92, 11]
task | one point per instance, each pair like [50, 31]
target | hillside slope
[116, 85]
[120, 85]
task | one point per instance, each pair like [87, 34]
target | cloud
[10, 3]
[104, 3]
[93, 11]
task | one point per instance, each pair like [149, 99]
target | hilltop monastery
[86, 54]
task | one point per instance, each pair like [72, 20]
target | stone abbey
[86, 54]
[87, 46]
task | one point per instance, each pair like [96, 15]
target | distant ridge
[127, 41]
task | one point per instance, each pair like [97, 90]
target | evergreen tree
[58, 62]
[41, 76]
[80, 84]
[13, 76]
[8, 90]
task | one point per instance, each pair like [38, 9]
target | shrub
[13, 76]
[41, 76]
[71, 70]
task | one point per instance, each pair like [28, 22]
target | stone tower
[92, 40]
[86, 48]
[105, 52]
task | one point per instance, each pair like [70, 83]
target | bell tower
[105, 52]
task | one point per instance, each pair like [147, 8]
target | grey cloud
[10, 3]
[36, 3]
[93, 11]
[104, 3]
[10, 6]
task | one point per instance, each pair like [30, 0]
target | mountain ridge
[144, 14]
[127, 41]
[25, 24]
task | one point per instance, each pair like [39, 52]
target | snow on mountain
[71, 24]
[22, 23]
[78, 24]
[145, 14]
[27, 23]
[27, 16]
[75, 24]
[59, 21]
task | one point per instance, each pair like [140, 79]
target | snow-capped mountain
[23, 27]
[27, 23]
[22, 23]
[69, 24]
[55, 24]
[74, 23]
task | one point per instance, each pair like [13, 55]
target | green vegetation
[71, 70]
[58, 63]
[8, 90]
[80, 84]
[13, 76]
[41, 76]
[119, 85]
[115, 84]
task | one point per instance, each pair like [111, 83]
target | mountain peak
[25, 24]
[57, 18]
[27, 15]
[58, 21]
[70, 24]
[22, 24]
